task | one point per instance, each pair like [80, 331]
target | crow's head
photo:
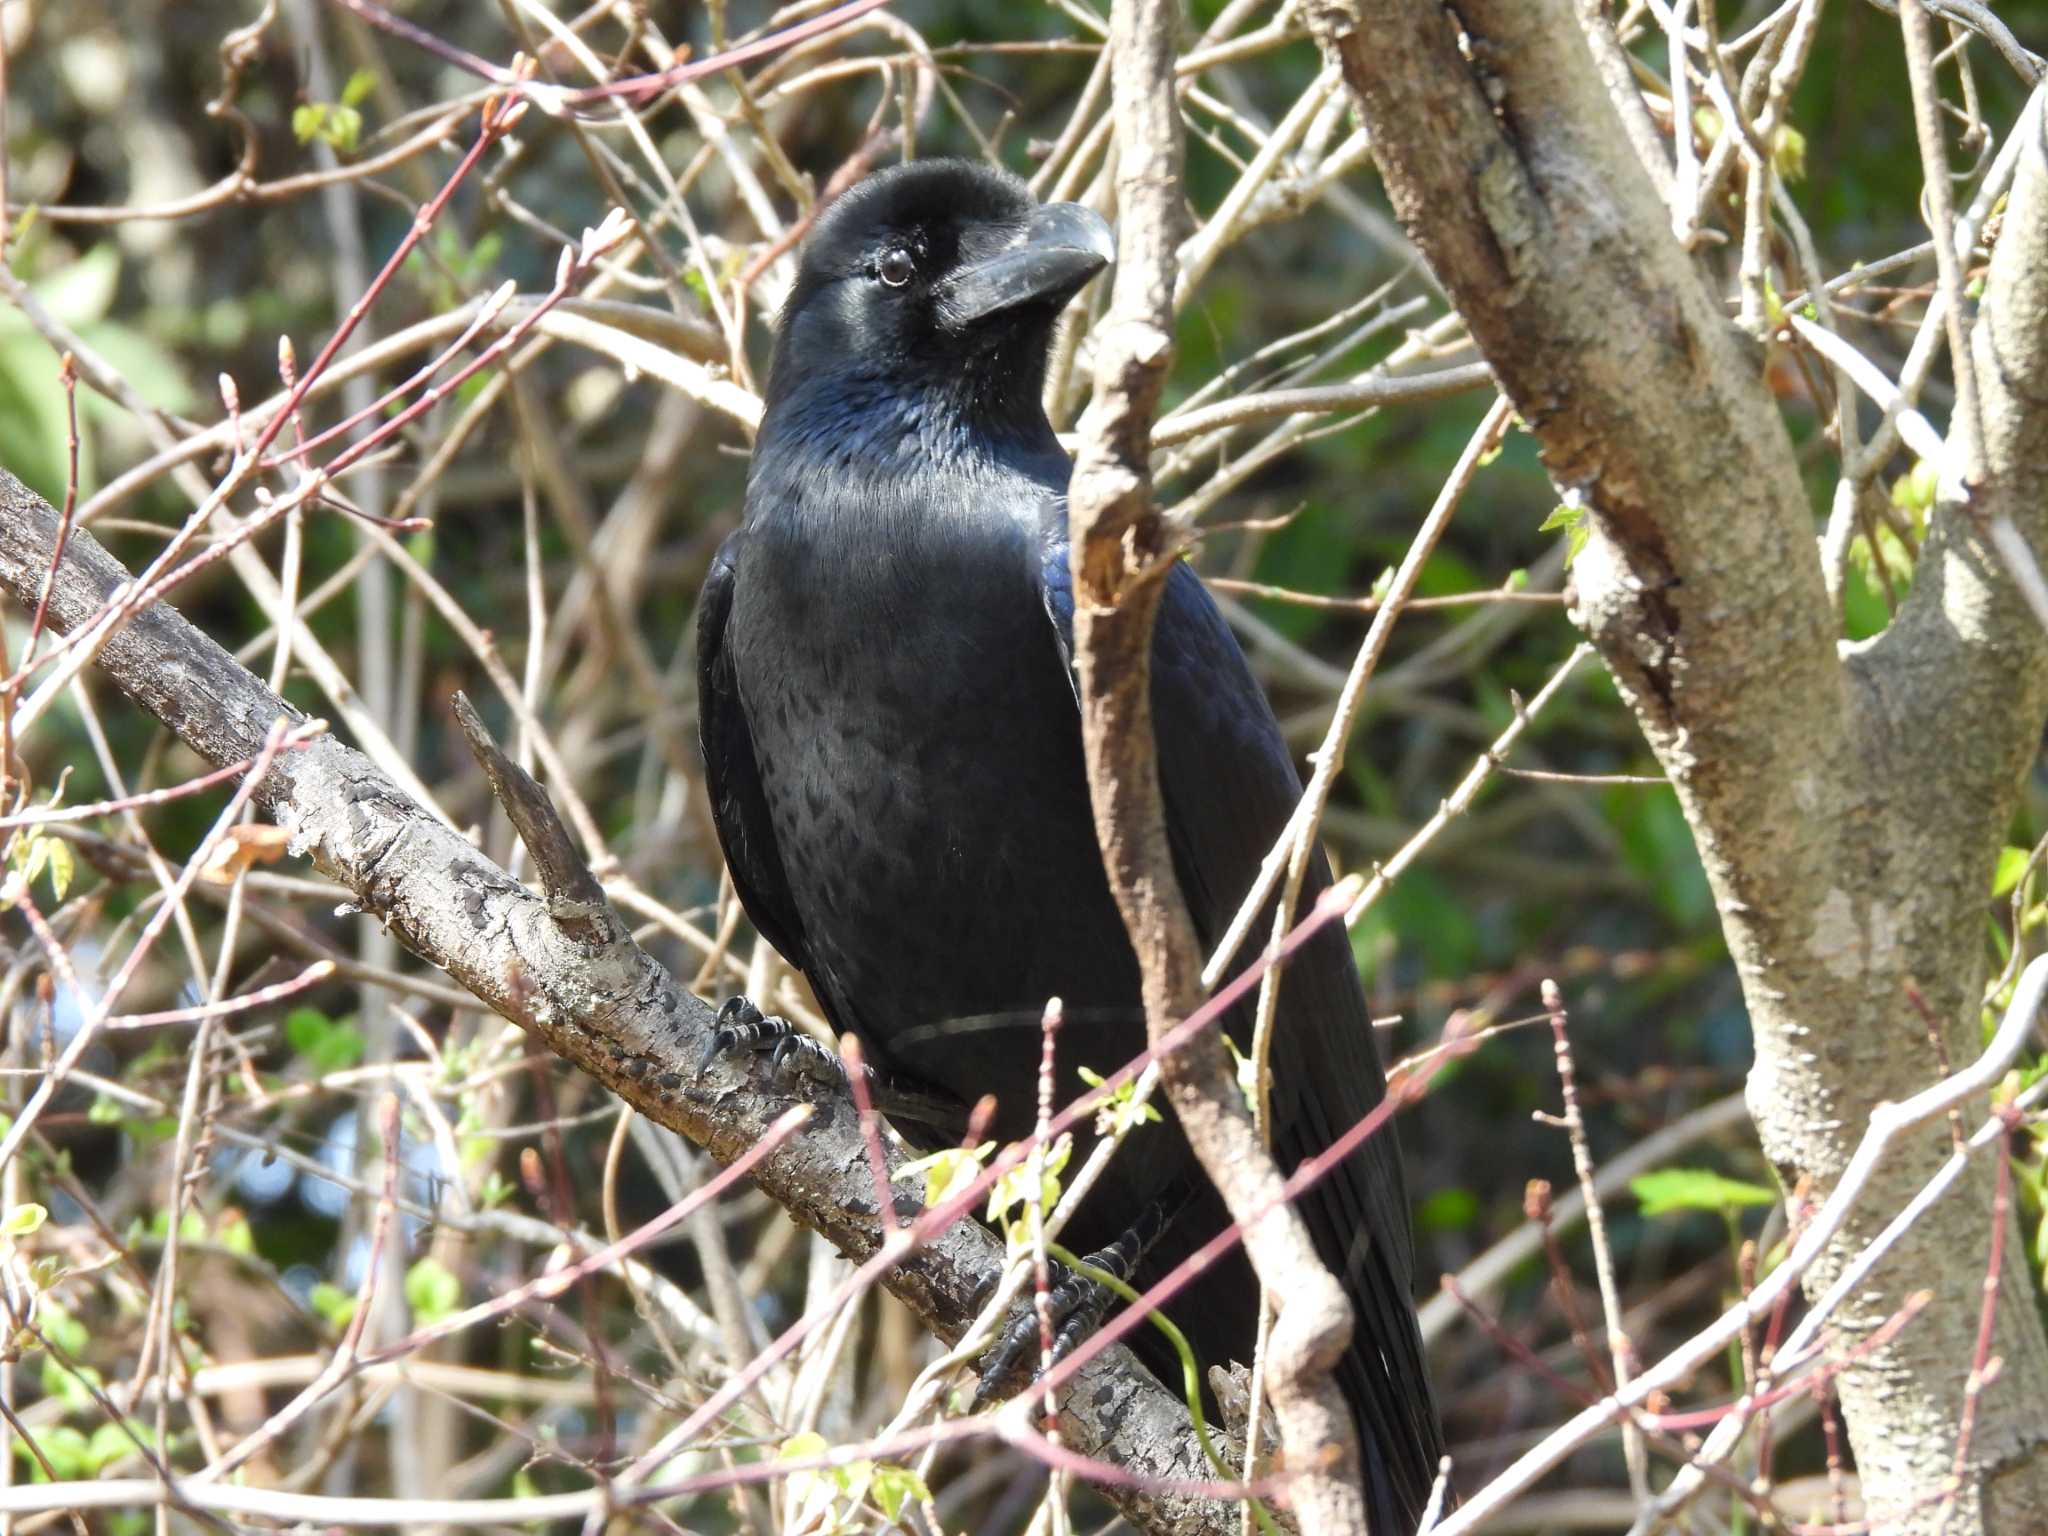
[939, 272]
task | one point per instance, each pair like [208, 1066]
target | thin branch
[1122, 554]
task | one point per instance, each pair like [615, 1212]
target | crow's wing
[1230, 786]
[739, 808]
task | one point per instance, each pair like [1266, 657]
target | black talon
[799, 1056]
[795, 1058]
[1078, 1306]
[743, 1028]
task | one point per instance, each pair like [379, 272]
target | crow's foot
[1078, 1305]
[793, 1056]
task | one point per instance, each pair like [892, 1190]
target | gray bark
[569, 973]
[1847, 801]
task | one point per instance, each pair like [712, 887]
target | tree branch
[1122, 554]
[566, 969]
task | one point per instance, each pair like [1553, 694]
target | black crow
[893, 751]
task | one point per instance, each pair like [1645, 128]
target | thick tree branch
[1122, 554]
[1969, 654]
[565, 968]
[1847, 807]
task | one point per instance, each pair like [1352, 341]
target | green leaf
[328, 1045]
[305, 1028]
[1696, 1189]
[1013, 1189]
[812, 1485]
[235, 1235]
[1788, 154]
[344, 129]
[343, 1049]
[1118, 1113]
[432, 1291]
[1914, 490]
[2012, 862]
[148, 1131]
[803, 1447]
[338, 126]
[73, 1387]
[893, 1487]
[111, 1442]
[156, 373]
[1447, 1210]
[23, 1219]
[1576, 525]
[63, 865]
[359, 86]
[62, 1329]
[1658, 844]
[30, 856]
[333, 1303]
[947, 1171]
[63, 1447]
[32, 405]
[81, 292]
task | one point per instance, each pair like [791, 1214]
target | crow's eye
[895, 268]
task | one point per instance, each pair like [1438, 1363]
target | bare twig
[1619, 1347]
[1121, 556]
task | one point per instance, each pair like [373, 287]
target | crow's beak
[1061, 246]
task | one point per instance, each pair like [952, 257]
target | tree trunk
[1848, 801]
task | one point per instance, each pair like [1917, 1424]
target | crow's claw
[1078, 1306]
[744, 1030]
[797, 1055]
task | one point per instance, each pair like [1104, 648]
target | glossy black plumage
[894, 753]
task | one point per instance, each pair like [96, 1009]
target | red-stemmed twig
[1620, 1350]
[262, 997]
[870, 1129]
[56, 815]
[1984, 1365]
[1041, 1267]
[1536, 1207]
[637, 87]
